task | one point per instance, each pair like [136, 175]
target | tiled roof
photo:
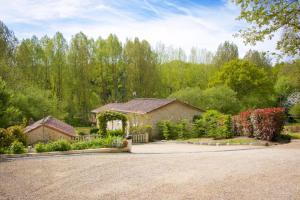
[140, 105]
[52, 123]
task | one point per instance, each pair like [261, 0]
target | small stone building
[149, 111]
[48, 129]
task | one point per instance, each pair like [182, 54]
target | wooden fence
[140, 138]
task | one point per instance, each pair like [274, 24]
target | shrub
[17, 147]
[242, 124]
[115, 133]
[174, 130]
[214, 124]
[94, 130]
[18, 134]
[59, 145]
[81, 133]
[80, 145]
[5, 138]
[163, 128]
[267, 123]
[134, 130]
[295, 111]
[40, 147]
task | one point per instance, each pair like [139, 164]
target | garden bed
[55, 153]
[231, 141]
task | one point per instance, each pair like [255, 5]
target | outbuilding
[49, 129]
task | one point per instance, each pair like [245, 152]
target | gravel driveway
[159, 171]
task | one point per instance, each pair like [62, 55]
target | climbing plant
[107, 116]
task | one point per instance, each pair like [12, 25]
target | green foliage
[226, 52]
[104, 117]
[17, 147]
[243, 77]
[295, 111]
[257, 58]
[115, 133]
[220, 98]
[94, 130]
[59, 145]
[40, 147]
[6, 138]
[7, 112]
[18, 134]
[174, 130]
[134, 130]
[214, 124]
[267, 17]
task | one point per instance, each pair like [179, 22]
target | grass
[85, 130]
[294, 135]
[237, 140]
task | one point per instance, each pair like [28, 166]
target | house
[149, 111]
[48, 129]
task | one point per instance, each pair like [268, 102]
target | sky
[185, 24]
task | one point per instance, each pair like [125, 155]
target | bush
[263, 124]
[214, 124]
[40, 147]
[115, 133]
[94, 130]
[295, 111]
[242, 124]
[267, 123]
[174, 130]
[80, 145]
[18, 134]
[59, 145]
[134, 130]
[5, 138]
[17, 147]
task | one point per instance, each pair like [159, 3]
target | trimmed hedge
[264, 124]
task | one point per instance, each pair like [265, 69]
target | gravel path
[159, 171]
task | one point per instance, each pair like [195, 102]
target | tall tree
[268, 17]
[79, 61]
[226, 52]
[258, 58]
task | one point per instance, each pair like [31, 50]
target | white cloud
[200, 26]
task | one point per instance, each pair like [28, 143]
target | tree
[243, 77]
[221, 98]
[252, 83]
[258, 58]
[141, 70]
[226, 52]
[8, 113]
[269, 17]
[191, 95]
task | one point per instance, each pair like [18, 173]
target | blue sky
[185, 24]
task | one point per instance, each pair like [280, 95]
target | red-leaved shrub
[263, 124]
[267, 123]
[242, 124]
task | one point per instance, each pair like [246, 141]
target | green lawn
[294, 135]
[85, 130]
[237, 140]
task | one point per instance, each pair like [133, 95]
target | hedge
[214, 124]
[174, 130]
[264, 124]
[64, 145]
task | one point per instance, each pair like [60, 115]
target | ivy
[107, 116]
